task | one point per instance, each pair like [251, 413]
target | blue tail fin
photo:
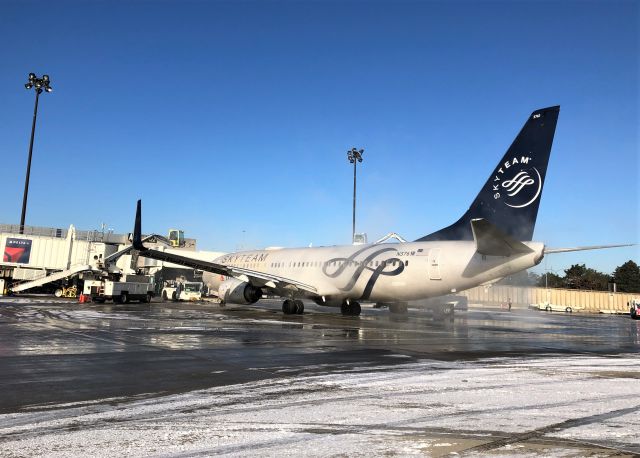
[511, 196]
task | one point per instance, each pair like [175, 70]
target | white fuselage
[385, 272]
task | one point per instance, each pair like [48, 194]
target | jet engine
[238, 292]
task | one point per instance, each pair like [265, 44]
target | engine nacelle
[238, 292]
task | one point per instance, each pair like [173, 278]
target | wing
[126, 250]
[261, 279]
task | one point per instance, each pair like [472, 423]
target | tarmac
[191, 379]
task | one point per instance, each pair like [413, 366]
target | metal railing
[89, 236]
[34, 230]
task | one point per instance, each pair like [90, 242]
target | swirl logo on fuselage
[522, 188]
[388, 267]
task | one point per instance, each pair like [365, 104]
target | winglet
[492, 241]
[137, 229]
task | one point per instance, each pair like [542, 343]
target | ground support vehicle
[118, 291]
[548, 307]
[441, 307]
[71, 291]
[634, 309]
[182, 291]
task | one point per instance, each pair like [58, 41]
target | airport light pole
[354, 157]
[39, 84]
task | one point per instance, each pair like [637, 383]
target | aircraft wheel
[299, 307]
[350, 309]
[289, 307]
[548, 308]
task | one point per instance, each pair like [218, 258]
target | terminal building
[49, 260]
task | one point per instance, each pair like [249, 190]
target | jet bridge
[53, 277]
[100, 268]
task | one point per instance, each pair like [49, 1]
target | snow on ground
[34, 300]
[29, 313]
[429, 408]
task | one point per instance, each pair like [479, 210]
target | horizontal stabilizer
[583, 248]
[491, 241]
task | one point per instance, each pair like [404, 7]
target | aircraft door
[434, 264]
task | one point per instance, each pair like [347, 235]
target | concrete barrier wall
[592, 301]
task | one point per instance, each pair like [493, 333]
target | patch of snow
[366, 411]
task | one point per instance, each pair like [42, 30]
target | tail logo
[522, 189]
[517, 183]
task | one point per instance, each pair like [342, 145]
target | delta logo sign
[17, 251]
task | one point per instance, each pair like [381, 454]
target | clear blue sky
[232, 120]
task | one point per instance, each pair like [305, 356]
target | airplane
[491, 240]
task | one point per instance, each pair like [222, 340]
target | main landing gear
[293, 307]
[350, 308]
